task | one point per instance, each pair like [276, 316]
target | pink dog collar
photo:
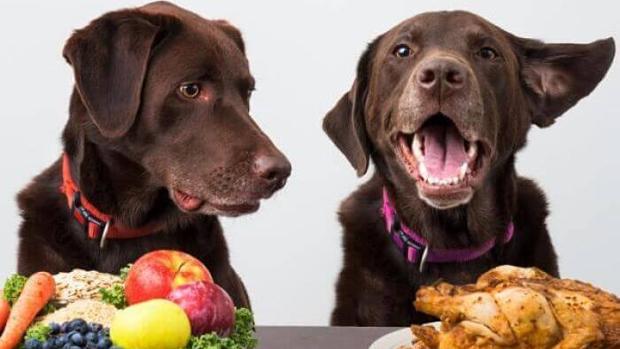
[416, 249]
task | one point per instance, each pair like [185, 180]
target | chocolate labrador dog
[159, 143]
[441, 104]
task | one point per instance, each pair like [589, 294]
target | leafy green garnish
[243, 333]
[13, 287]
[114, 295]
[48, 309]
[242, 336]
[125, 271]
[39, 332]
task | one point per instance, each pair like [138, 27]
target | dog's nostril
[455, 77]
[426, 77]
[270, 176]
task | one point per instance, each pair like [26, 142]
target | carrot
[5, 309]
[37, 292]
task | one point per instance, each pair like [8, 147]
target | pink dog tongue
[444, 150]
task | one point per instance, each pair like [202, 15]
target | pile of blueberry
[74, 334]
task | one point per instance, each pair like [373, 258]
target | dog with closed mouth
[440, 104]
[159, 142]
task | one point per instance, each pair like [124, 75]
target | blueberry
[104, 343]
[77, 339]
[91, 337]
[95, 327]
[66, 346]
[32, 344]
[54, 328]
[75, 347]
[62, 339]
[64, 328]
[77, 323]
[49, 344]
[59, 342]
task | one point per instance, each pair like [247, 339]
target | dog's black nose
[274, 169]
[445, 73]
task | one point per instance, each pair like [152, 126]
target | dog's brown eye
[488, 53]
[190, 90]
[402, 51]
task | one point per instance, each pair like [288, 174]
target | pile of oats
[82, 285]
[89, 310]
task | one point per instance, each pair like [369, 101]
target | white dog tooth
[463, 170]
[423, 171]
[416, 147]
[473, 150]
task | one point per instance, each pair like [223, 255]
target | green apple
[154, 324]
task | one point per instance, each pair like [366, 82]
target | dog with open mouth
[440, 104]
[159, 143]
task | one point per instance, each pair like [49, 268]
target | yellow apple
[154, 324]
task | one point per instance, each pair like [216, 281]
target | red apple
[157, 273]
[208, 307]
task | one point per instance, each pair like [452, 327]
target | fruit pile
[168, 300]
[72, 335]
[172, 294]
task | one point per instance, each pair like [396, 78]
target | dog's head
[444, 99]
[170, 91]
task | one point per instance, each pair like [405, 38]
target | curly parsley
[115, 295]
[13, 287]
[242, 336]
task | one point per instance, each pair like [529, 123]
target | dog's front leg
[345, 312]
[228, 279]
[36, 255]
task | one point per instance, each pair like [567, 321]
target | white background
[303, 55]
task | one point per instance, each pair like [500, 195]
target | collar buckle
[421, 251]
[104, 235]
[422, 266]
[93, 225]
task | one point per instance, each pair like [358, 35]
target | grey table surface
[319, 337]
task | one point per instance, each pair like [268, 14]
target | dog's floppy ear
[345, 123]
[557, 76]
[110, 59]
[232, 32]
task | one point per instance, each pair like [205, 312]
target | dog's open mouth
[443, 162]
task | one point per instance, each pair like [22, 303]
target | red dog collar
[417, 250]
[98, 224]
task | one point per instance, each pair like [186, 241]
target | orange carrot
[5, 309]
[37, 292]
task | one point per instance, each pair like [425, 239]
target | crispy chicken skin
[519, 308]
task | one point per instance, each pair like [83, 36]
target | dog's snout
[441, 73]
[274, 169]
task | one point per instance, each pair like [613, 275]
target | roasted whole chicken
[511, 307]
